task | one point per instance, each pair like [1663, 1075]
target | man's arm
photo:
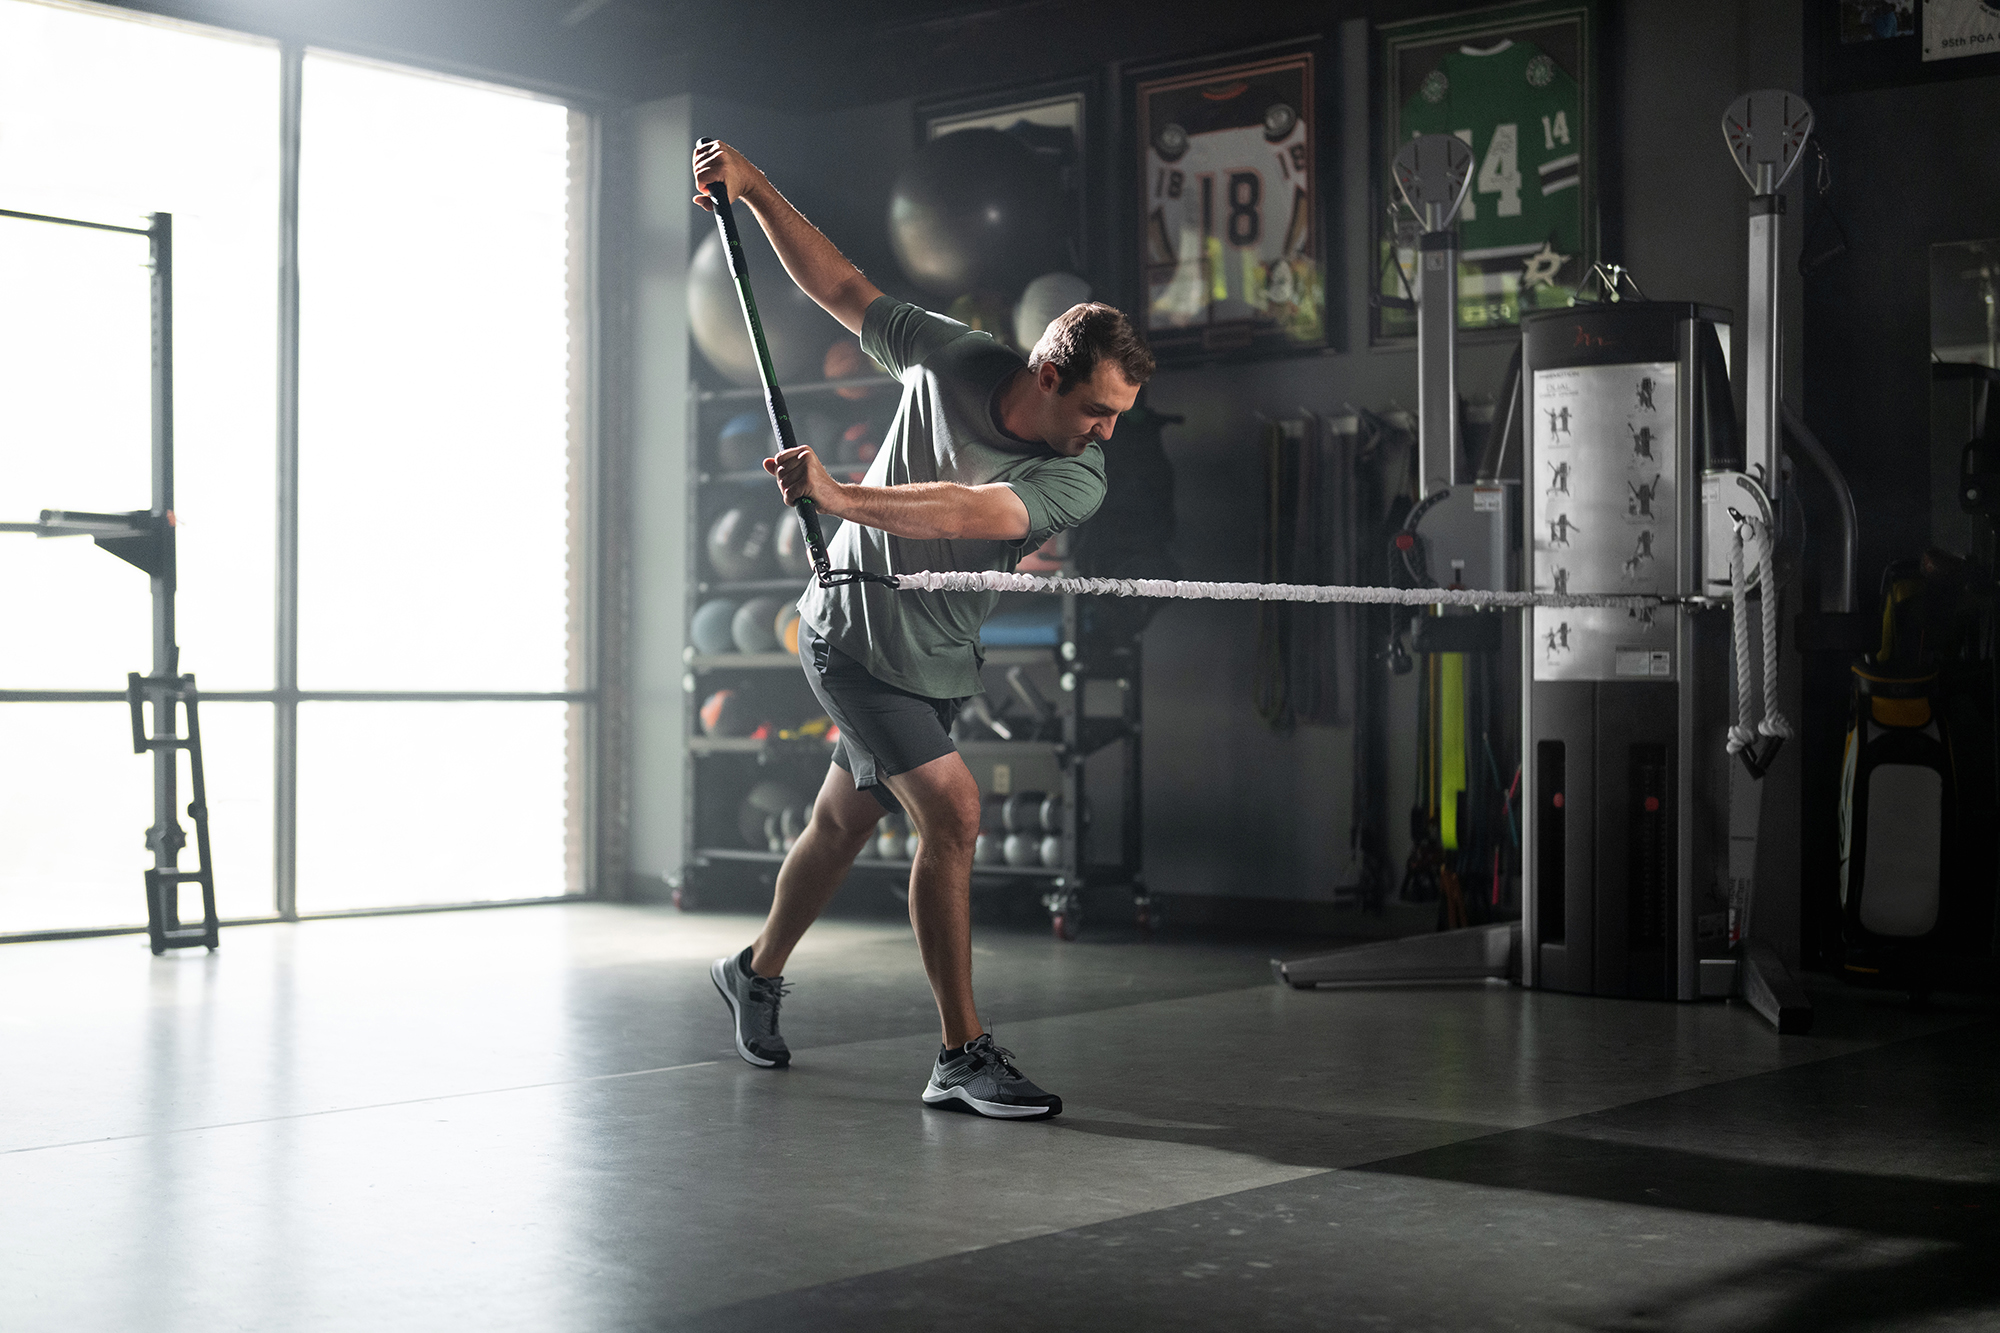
[820, 270]
[922, 511]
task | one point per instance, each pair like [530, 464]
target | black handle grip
[774, 398]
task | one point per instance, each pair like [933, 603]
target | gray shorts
[883, 730]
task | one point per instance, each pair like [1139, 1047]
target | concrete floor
[532, 1119]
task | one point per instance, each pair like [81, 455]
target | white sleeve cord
[989, 580]
[1744, 733]
[1774, 723]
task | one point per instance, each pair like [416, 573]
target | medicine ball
[1046, 297]
[764, 802]
[990, 850]
[728, 713]
[977, 208]
[1023, 849]
[795, 328]
[786, 627]
[745, 442]
[739, 545]
[859, 443]
[846, 361]
[1052, 850]
[1022, 812]
[709, 631]
[753, 625]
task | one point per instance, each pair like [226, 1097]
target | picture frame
[1229, 231]
[1853, 45]
[1519, 83]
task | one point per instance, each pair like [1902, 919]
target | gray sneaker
[982, 1077]
[753, 1002]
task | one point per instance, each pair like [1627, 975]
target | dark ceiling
[792, 55]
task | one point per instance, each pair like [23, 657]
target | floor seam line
[371, 1106]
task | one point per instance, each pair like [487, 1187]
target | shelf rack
[1074, 658]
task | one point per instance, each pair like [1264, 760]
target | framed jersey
[1517, 84]
[1232, 256]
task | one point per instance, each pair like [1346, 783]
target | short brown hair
[1086, 334]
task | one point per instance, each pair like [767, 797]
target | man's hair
[1086, 334]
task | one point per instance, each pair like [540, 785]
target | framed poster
[1232, 253]
[1855, 44]
[1518, 84]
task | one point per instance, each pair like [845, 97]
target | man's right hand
[715, 161]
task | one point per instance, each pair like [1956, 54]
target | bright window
[440, 509]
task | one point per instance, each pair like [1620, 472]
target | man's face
[1072, 421]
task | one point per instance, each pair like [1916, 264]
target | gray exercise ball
[1046, 297]
[977, 208]
[753, 625]
[990, 850]
[797, 331]
[710, 630]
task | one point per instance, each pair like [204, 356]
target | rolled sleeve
[899, 335]
[1059, 493]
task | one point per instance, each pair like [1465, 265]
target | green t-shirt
[928, 642]
[1518, 111]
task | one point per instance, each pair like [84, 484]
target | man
[988, 457]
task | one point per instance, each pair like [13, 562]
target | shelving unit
[1095, 689]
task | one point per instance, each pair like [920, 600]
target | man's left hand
[800, 475]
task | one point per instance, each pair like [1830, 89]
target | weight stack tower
[1625, 826]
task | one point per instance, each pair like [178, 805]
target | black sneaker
[983, 1077]
[753, 1001]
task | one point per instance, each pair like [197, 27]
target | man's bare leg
[942, 799]
[843, 818]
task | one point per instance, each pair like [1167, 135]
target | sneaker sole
[736, 1017]
[936, 1096]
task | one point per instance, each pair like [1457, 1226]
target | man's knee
[952, 818]
[849, 821]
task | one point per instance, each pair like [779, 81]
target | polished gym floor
[531, 1118]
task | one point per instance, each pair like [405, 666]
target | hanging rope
[1752, 540]
[1195, 590]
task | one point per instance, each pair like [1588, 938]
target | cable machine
[145, 539]
[1640, 824]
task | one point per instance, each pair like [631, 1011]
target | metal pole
[1765, 364]
[1434, 172]
[165, 838]
[1437, 362]
[284, 840]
